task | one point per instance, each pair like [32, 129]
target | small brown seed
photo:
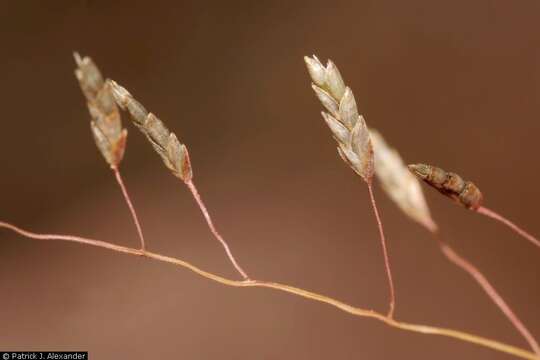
[471, 196]
[454, 183]
[449, 184]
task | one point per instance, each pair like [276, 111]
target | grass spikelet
[404, 188]
[106, 123]
[356, 147]
[450, 185]
[173, 153]
[352, 135]
[465, 193]
[348, 127]
[398, 182]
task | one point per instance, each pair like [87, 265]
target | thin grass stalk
[174, 154]
[465, 193]
[498, 217]
[129, 203]
[404, 189]
[356, 311]
[491, 292]
[191, 186]
[106, 124]
[385, 253]
[351, 133]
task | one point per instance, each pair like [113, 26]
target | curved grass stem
[213, 229]
[422, 329]
[491, 292]
[127, 198]
[385, 253]
[492, 214]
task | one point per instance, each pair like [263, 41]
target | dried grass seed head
[173, 153]
[106, 124]
[347, 126]
[398, 182]
[449, 184]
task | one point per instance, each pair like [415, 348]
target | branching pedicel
[355, 147]
[106, 125]
[352, 135]
[404, 188]
[464, 193]
[174, 154]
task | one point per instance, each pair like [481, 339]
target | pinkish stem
[72, 238]
[130, 205]
[213, 229]
[385, 253]
[423, 329]
[491, 292]
[492, 214]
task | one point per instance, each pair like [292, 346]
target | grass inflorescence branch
[106, 125]
[353, 310]
[364, 150]
[173, 153]
[465, 193]
[404, 189]
[351, 133]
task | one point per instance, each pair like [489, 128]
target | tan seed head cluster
[173, 153]
[106, 123]
[347, 126]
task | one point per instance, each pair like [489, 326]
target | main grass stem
[422, 329]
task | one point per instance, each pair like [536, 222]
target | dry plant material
[354, 146]
[465, 193]
[398, 182]
[347, 126]
[352, 135]
[492, 293]
[106, 124]
[173, 153]
[405, 190]
[449, 184]
[350, 309]
[503, 220]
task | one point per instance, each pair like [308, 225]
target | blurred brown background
[451, 83]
